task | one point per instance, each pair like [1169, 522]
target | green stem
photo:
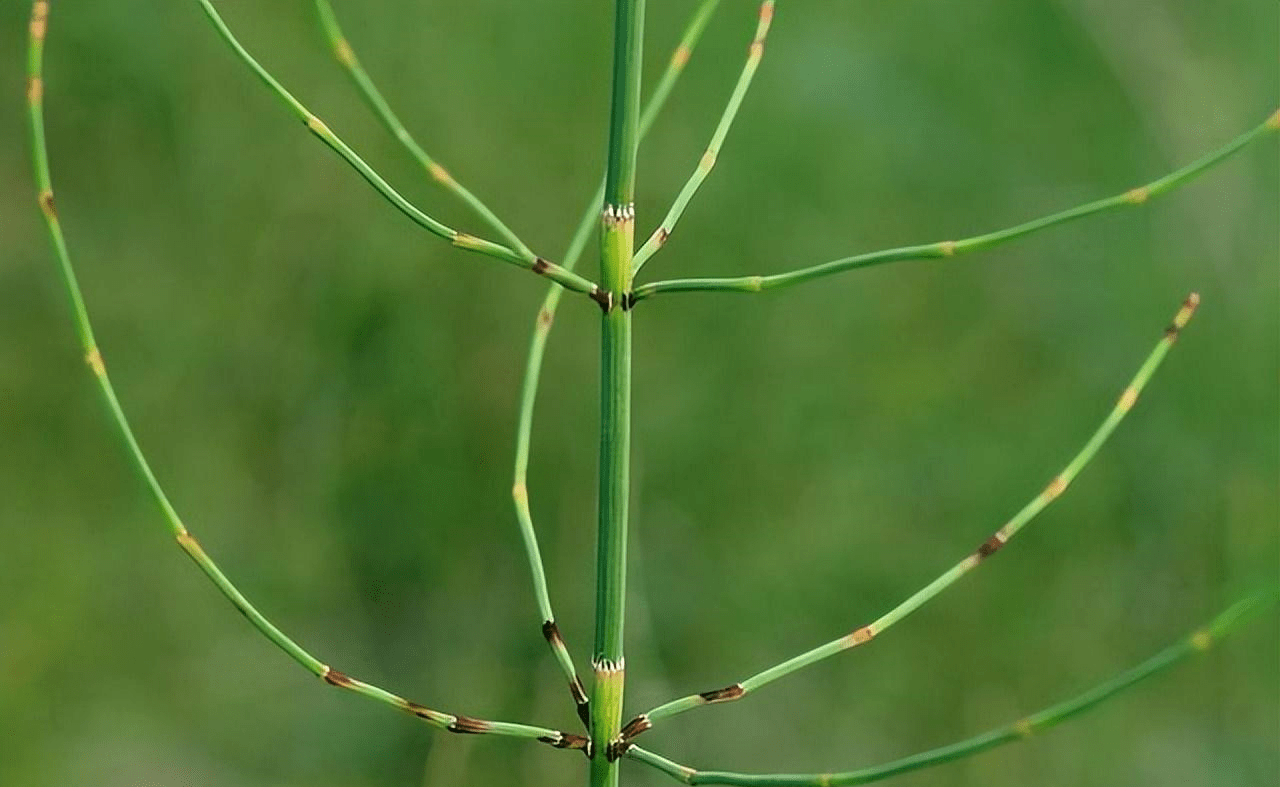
[346, 57]
[528, 261]
[616, 247]
[1197, 642]
[989, 547]
[94, 361]
[754, 53]
[952, 248]
[543, 324]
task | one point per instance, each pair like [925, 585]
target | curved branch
[1020, 730]
[346, 57]
[93, 359]
[528, 261]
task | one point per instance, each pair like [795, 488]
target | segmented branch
[954, 248]
[316, 126]
[1198, 642]
[754, 53]
[865, 634]
[98, 368]
[346, 57]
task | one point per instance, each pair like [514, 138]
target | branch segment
[97, 366]
[1198, 642]
[985, 550]
[521, 259]
[953, 248]
[346, 57]
[754, 53]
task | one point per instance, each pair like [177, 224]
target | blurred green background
[329, 394]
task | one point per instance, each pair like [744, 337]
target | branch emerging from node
[1020, 730]
[754, 53]
[528, 261]
[346, 57]
[954, 248]
[985, 550]
[97, 367]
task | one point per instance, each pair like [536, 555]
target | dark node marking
[662, 237]
[628, 300]
[335, 678]
[46, 202]
[567, 741]
[540, 266]
[635, 727]
[552, 632]
[616, 749]
[605, 299]
[469, 726]
[1171, 332]
[726, 694]
[421, 711]
[545, 317]
[990, 547]
[584, 705]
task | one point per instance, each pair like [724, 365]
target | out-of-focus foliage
[329, 393]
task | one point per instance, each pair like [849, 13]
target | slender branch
[1196, 643]
[989, 547]
[346, 57]
[754, 53]
[94, 360]
[538, 265]
[953, 248]
[537, 348]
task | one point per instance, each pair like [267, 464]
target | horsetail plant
[605, 740]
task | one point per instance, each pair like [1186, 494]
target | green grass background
[329, 394]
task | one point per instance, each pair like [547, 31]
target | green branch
[94, 360]
[564, 278]
[346, 57]
[953, 248]
[754, 53]
[1020, 730]
[860, 636]
[537, 349]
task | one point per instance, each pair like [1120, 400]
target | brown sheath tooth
[727, 694]
[662, 237]
[468, 726]
[567, 741]
[335, 678]
[635, 727]
[616, 749]
[990, 546]
[541, 266]
[46, 204]
[545, 317]
[605, 299]
[421, 711]
[552, 633]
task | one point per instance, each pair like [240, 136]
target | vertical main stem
[617, 245]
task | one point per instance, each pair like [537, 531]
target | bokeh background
[329, 394]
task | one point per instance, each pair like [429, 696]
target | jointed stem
[523, 259]
[346, 57]
[1020, 730]
[952, 248]
[616, 246]
[93, 358]
[989, 547]
[708, 160]
[537, 348]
